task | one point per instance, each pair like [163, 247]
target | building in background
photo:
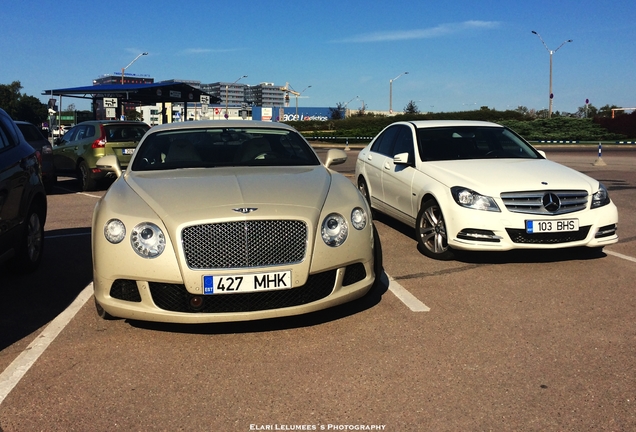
[238, 98]
[265, 95]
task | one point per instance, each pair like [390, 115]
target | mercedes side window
[384, 143]
[404, 143]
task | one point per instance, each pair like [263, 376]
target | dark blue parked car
[22, 200]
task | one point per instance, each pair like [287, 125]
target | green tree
[337, 112]
[587, 111]
[606, 111]
[411, 108]
[31, 109]
[20, 106]
[9, 97]
[133, 115]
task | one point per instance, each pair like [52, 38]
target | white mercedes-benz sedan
[471, 185]
[216, 221]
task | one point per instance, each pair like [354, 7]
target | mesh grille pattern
[531, 202]
[354, 273]
[242, 244]
[125, 289]
[520, 236]
[176, 298]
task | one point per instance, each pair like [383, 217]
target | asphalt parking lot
[506, 341]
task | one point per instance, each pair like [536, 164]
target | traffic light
[52, 106]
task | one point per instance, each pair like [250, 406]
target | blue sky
[459, 54]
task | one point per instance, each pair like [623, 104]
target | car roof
[112, 122]
[215, 124]
[420, 124]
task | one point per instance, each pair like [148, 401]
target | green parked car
[77, 152]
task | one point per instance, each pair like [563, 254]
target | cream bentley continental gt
[467, 185]
[217, 221]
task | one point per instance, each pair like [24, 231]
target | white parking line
[19, 367]
[619, 255]
[406, 297]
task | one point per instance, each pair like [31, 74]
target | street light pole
[124, 68]
[391, 91]
[227, 95]
[551, 53]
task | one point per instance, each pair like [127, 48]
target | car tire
[364, 190]
[87, 181]
[430, 232]
[102, 313]
[378, 267]
[29, 252]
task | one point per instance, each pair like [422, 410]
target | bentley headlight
[470, 199]
[601, 197]
[114, 231]
[147, 240]
[334, 230]
[358, 218]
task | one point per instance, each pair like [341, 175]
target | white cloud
[428, 33]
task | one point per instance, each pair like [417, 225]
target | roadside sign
[110, 113]
[110, 102]
[205, 99]
[204, 108]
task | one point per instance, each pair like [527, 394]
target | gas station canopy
[144, 94]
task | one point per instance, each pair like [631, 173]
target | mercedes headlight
[601, 197]
[470, 199]
[334, 230]
[147, 240]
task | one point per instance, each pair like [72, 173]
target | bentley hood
[179, 196]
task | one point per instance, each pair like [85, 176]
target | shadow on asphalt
[28, 302]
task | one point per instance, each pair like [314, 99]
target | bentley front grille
[241, 244]
[545, 202]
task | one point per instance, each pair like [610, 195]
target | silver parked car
[229, 221]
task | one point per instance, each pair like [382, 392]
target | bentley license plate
[542, 226]
[247, 283]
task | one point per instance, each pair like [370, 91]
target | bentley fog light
[470, 199]
[147, 240]
[334, 230]
[114, 231]
[358, 218]
[601, 197]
